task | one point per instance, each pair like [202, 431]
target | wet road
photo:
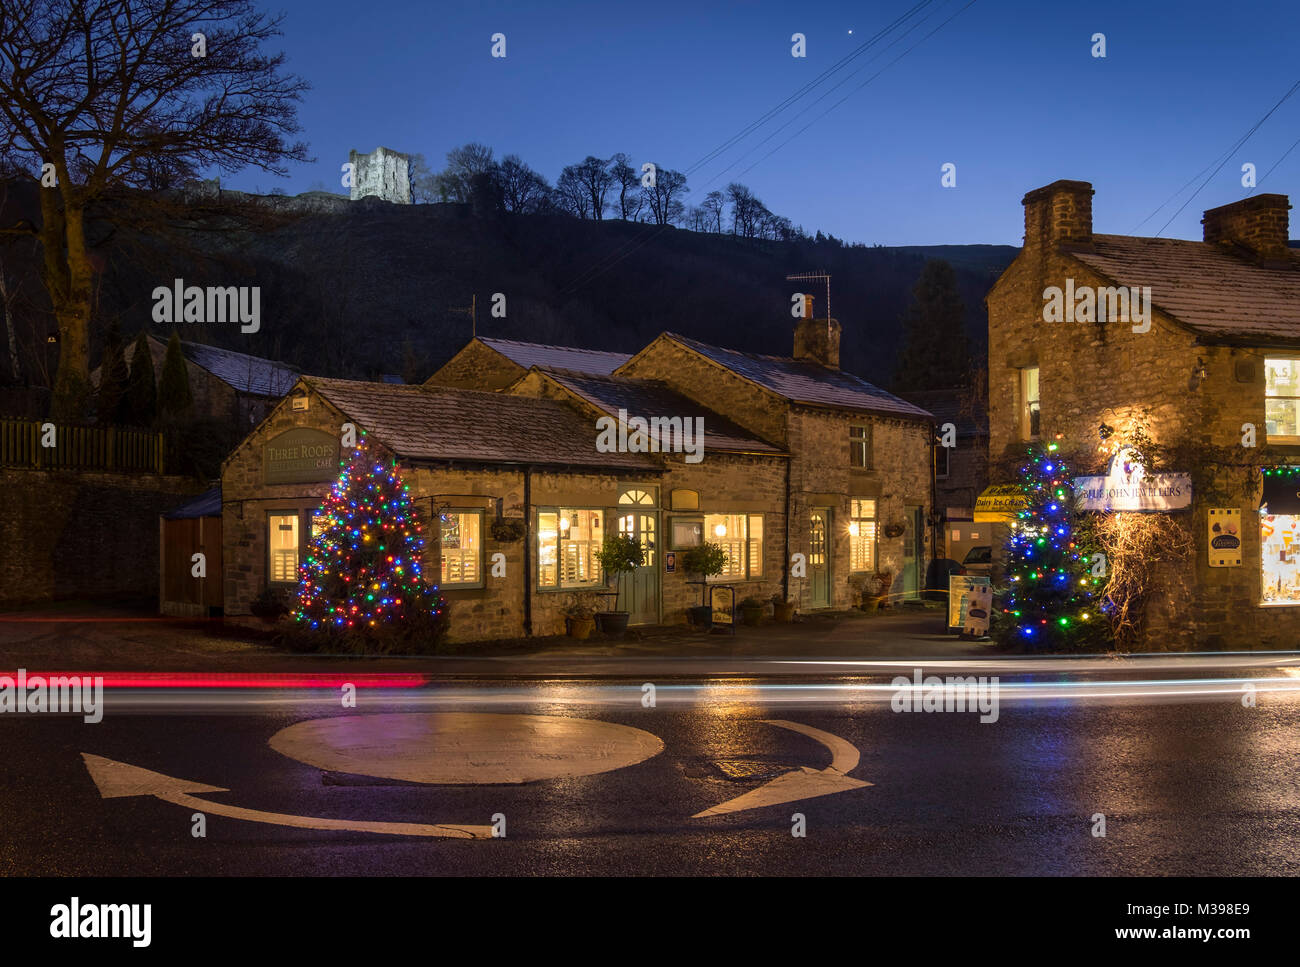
[1189, 778]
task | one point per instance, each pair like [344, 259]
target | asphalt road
[1190, 780]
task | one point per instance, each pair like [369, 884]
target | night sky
[1007, 90]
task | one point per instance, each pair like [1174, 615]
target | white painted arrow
[117, 779]
[803, 783]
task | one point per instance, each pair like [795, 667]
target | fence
[41, 445]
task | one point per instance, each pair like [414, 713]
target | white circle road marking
[471, 748]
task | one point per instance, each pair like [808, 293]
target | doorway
[819, 557]
[913, 550]
[639, 591]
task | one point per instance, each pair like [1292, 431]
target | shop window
[741, 538]
[1029, 405]
[1279, 542]
[860, 446]
[282, 540]
[567, 541]
[461, 548]
[862, 534]
[1282, 400]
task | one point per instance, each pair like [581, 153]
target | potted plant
[618, 556]
[751, 610]
[782, 609]
[580, 615]
[706, 560]
[271, 605]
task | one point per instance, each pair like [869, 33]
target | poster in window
[1224, 532]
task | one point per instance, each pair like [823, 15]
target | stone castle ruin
[383, 173]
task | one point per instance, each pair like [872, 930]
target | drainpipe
[528, 552]
[785, 570]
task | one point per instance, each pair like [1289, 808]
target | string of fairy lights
[1051, 590]
[362, 568]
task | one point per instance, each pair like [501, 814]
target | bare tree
[99, 97]
[523, 189]
[592, 176]
[464, 164]
[425, 183]
[571, 195]
[663, 197]
[713, 205]
[630, 199]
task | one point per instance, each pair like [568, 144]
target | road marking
[465, 748]
[117, 779]
[803, 783]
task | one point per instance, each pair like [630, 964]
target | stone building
[384, 174]
[797, 461]
[1191, 347]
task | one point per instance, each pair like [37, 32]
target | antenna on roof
[470, 310]
[815, 276]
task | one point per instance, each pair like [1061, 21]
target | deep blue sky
[1008, 91]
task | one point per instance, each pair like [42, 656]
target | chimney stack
[1257, 223]
[1059, 213]
[817, 340]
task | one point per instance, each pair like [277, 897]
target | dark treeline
[595, 189]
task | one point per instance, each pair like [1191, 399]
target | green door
[640, 589]
[913, 550]
[819, 558]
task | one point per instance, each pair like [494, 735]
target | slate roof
[806, 382]
[1204, 287]
[206, 504]
[530, 354]
[434, 423]
[647, 399]
[247, 374]
[946, 407]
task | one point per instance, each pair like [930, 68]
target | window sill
[1280, 604]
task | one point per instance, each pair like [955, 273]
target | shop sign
[1000, 503]
[979, 604]
[1127, 488]
[300, 455]
[670, 561]
[1224, 527]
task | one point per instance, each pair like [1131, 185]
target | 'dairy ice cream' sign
[1127, 487]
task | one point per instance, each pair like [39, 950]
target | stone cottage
[1112, 345]
[809, 478]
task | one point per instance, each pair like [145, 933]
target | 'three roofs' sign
[300, 455]
[1126, 487]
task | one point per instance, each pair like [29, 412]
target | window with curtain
[862, 534]
[461, 548]
[567, 541]
[741, 537]
[282, 540]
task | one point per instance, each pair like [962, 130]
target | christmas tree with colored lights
[1051, 600]
[362, 578]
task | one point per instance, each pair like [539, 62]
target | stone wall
[92, 535]
[384, 173]
[477, 367]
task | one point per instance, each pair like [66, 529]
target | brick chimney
[817, 340]
[1257, 224]
[1058, 213]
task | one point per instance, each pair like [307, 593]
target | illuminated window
[860, 446]
[567, 542]
[741, 538]
[1029, 405]
[862, 534]
[1279, 543]
[1282, 399]
[461, 548]
[282, 539]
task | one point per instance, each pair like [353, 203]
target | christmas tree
[362, 576]
[1051, 600]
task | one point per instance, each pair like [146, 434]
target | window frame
[559, 585]
[482, 550]
[1281, 439]
[749, 574]
[299, 546]
[1027, 433]
[863, 445]
[875, 534]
